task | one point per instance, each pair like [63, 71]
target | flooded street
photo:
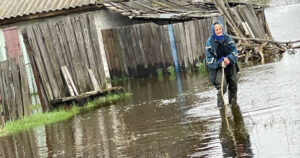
[176, 116]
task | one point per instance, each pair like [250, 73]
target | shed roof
[167, 9]
[16, 8]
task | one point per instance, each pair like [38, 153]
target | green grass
[159, 72]
[171, 70]
[55, 116]
[201, 68]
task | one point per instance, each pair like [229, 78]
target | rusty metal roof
[17, 8]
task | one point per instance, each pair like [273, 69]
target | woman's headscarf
[218, 38]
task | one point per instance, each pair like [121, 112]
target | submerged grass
[55, 116]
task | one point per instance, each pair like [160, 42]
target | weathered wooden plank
[158, 45]
[69, 81]
[45, 59]
[163, 46]
[2, 94]
[145, 45]
[10, 92]
[127, 53]
[202, 38]
[37, 58]
[112, 57]
[53, 59]
[188, 43]
[4, 89]
[61, 33]
[121, 52]
[149, 42]
[179, 44]
[141, 47]
[78, 65]
[193, 39]
[118, 50]
[94, 80]
[135, 48]
[82, 54]
[29, 48]
[185, 52]
[248, 16]
[198, 40]
[16, 87]
[132, 58]
[53, 30]
[114, 52]
[91, 94]
[100, 56]
[24, 87]
[88, 45]
[106, 47]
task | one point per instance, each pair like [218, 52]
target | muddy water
[177, 116]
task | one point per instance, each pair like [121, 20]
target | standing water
[177, 116]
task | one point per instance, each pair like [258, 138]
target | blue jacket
[211, 52]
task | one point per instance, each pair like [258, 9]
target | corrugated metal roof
[16, 8]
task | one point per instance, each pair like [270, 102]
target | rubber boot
[232, 97]
[220, 100]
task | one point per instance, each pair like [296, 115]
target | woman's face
[218, 30]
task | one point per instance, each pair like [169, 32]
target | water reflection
[234, 136]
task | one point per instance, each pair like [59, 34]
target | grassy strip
[55, 116]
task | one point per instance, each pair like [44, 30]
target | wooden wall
[14, 89]
[141, 49]
[71, 42]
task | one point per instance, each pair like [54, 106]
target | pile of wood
[254, 41]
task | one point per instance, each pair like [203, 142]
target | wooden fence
[14, 89]
[71, 43]
[141, 49]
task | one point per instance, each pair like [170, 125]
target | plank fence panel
[78, 65]
[89, 48]
[107, 48]
[24, 87]
[46, 59]
[71, 42]
[48, 41]
[121, 53]
[37, 60]
[15, 85]
[61, 33]
[118, 50]
[179, 45]
[166, 46]
[145, 44]
[96, 48]
[14, 89]
[81, 53]
[138, 50]
[140, 38]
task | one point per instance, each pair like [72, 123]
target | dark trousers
[230, 81]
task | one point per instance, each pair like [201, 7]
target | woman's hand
[226, 61]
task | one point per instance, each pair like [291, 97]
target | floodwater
[177, 116]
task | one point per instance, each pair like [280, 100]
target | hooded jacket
[212, 58]
[228, 49]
